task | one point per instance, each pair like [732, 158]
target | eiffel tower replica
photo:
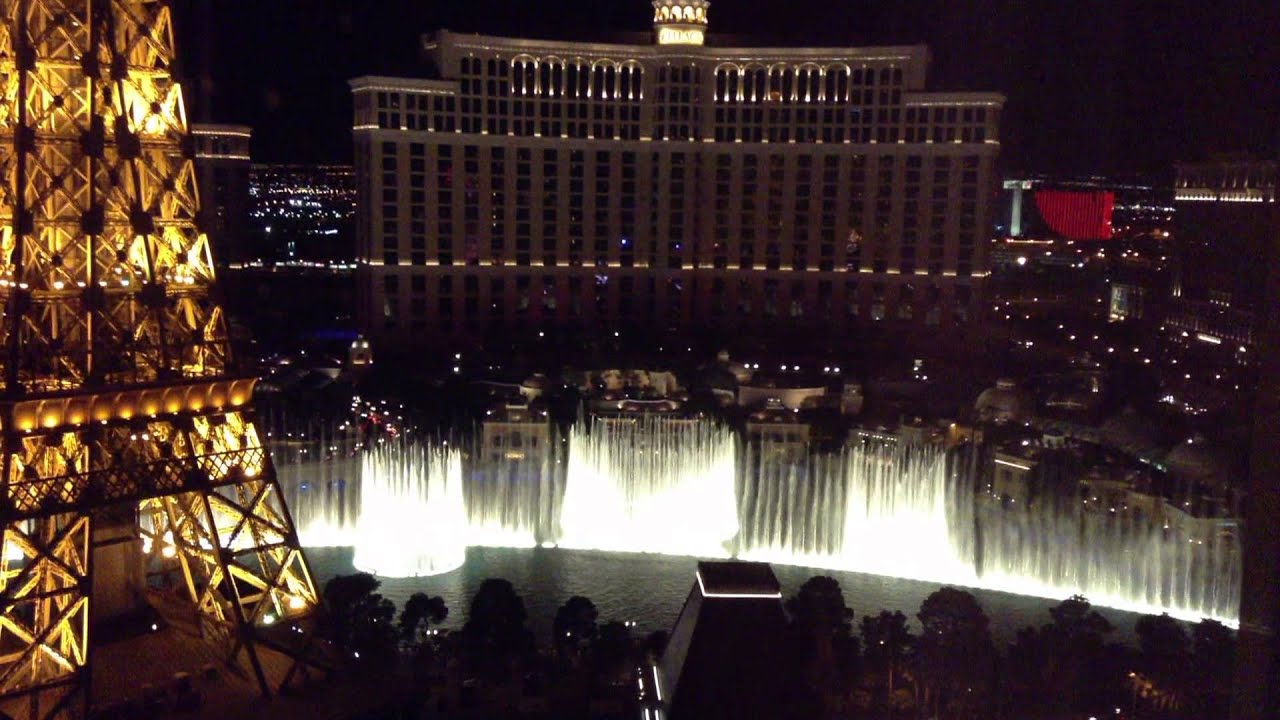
[133, 472]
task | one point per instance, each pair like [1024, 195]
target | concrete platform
[142, 677]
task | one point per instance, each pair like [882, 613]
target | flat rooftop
[738, 579]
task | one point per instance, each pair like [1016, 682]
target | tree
[823, 624]
[1075, 618]
[358, 619]
[887, 643]
[1164, 645]
[1214, 656]
[611, 652]
[576, 621]
[955, 656]
[1164, 656]
[655, 643]
[420, 612]
[820, 606]
[494, 633]
[1065, 665]
[1025, 676]
[1076, 642]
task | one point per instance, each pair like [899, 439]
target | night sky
[1093, 86]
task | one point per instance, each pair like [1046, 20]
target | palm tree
[887, 644]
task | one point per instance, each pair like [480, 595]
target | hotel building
[671, 183]
[1224, 233]
[222, 179]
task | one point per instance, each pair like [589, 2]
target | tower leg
[44, 632]
[234, 548]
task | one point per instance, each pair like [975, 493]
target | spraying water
[875, 507]
[677, 486]
[1115, 557]
[321, 477]
[412, 517]
[513, 499]
[650, 484]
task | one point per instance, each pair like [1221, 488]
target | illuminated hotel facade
[670, 184]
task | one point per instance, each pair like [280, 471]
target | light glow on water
[1100, 596]
[319, 533]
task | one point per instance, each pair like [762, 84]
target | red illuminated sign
[1077, 215]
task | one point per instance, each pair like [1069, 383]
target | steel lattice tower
[121, 409]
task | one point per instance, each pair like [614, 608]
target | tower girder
[118, 387]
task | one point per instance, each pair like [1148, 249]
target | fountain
[321, 479]
[512, 502]
[650, 484]
[656, 484]
[412, 517]
[1115, 557]
[876, 507]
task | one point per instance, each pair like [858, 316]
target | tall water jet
[650, 484]
[413, 520]
[875, 507]
[320, 476]
[897, 514]
[792, 505]
[1119, 556]
[512, 501]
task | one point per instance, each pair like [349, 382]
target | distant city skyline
[1092, 86]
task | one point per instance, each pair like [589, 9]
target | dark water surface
[650, 589]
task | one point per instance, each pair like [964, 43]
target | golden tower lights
[118, 392]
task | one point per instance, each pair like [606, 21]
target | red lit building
[1067, 210]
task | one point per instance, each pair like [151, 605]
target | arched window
[597, 82]
[810, 86]
[837, 84]
[553, 77]
[517, 77]
[776, 75]
[530, 77]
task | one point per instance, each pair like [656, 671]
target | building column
[1257, 683]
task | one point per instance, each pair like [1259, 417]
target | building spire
[680, 22]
